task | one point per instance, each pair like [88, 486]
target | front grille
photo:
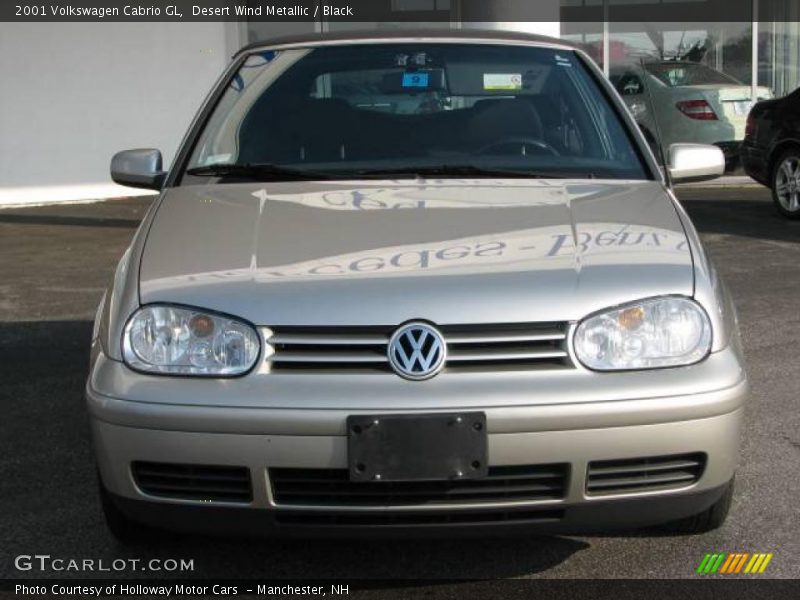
[520, 346]
[193, 482]
[633, 475]
[332, 488]
[408, 519]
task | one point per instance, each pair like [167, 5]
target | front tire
[121, 526]
[785, 184]
[710, 519]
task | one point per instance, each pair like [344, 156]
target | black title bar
[370, 12]
[699, 588]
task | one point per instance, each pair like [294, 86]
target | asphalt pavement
[55, 262]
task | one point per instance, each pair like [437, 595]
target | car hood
[381, 253]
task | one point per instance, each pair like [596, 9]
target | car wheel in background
[786, 183]
[710, 519]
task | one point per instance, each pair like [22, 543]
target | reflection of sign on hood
[539, 249]
[532, 249]
[450, 193]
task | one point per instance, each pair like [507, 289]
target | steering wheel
[522, 142]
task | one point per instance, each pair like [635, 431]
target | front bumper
[755, 161]
[705, 423]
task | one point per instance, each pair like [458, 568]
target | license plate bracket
[417, 447]
[742, 107]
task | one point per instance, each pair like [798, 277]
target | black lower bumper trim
[596, 516]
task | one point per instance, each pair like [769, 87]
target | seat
[500, 119]
[293, 129]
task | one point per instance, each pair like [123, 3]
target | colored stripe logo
[733, 563]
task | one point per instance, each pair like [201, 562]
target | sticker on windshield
[215, 159]
[563, 61]
[502, 81]
[415, 80]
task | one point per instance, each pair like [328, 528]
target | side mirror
[140, 168]
[633, 89]
[695, 162]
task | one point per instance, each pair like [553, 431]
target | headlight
[184, 341]
[662, 332]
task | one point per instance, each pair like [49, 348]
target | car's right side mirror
[140, 168]
[695, 162]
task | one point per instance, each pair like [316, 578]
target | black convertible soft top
[408, 35]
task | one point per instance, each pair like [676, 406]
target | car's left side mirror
[140, 168]
[695, 162]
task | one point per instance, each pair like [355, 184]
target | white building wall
[549, 28]
[72, 94]
[495, 14]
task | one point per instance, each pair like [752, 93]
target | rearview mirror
[140, 168]
[695, 162]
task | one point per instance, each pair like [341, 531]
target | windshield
[677, 74]
[413, 110]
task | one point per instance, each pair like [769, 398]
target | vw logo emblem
[417, 351]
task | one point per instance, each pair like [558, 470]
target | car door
[775, 122]
[789, 117]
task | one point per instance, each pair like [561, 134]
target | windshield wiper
[274, 172]
[469, 171]
[260, 171]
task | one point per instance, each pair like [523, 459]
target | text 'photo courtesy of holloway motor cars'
[415, 284]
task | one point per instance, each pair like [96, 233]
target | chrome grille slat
[668, 466]
[399, 519]
[479, 354]
[465, 338]
[343, 339]
[643, 479]
[329, 357]
[144, 473]
[471, 347]
[204, 489]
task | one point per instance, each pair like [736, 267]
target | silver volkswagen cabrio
[411, 284]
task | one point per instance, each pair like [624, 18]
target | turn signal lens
[631, 318]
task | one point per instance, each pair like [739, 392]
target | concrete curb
[732, 181]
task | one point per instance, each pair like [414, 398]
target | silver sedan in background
[687, 102]
[403, 285]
